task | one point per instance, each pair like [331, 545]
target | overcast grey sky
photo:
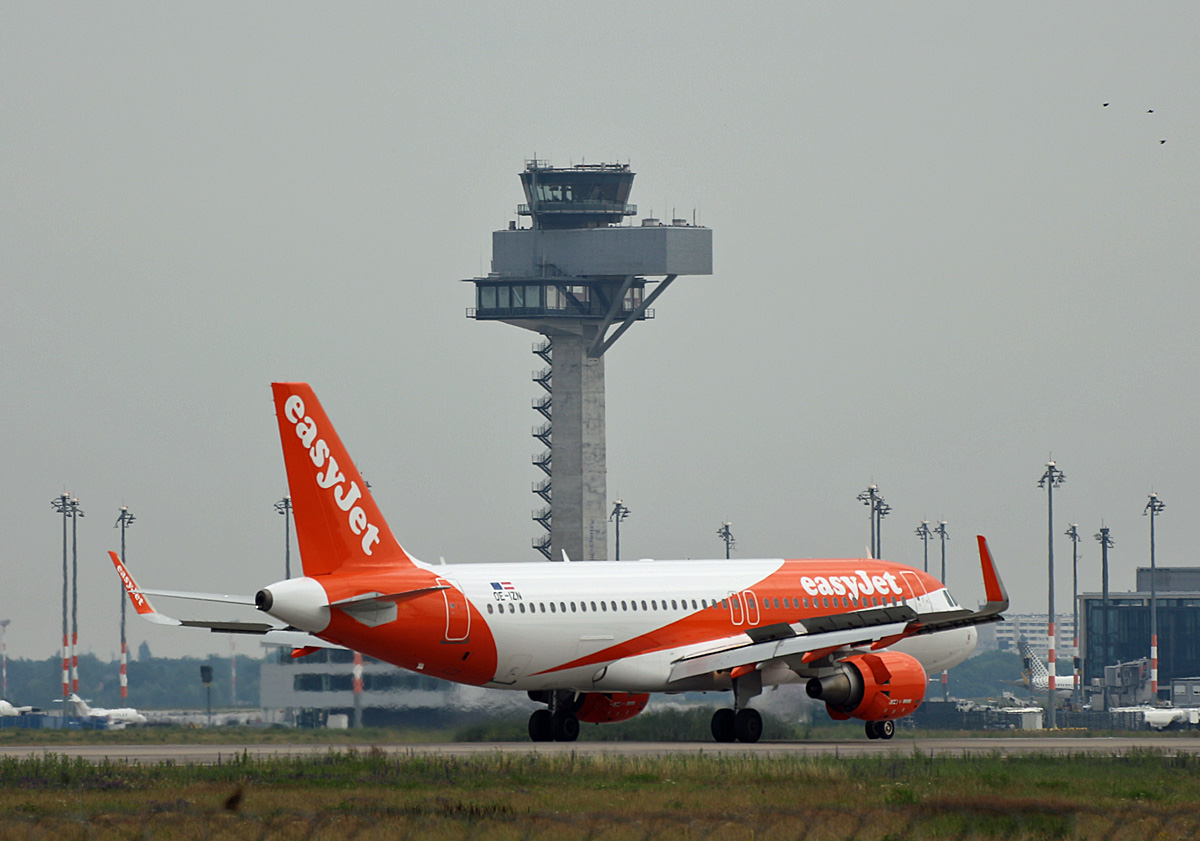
[938, 260]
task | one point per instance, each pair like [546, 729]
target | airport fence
[453, 820]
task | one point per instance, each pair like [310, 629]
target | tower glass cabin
[578, 276]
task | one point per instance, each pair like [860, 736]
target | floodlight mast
[1051, 479]
[942, 533]
[124, 521]
[284, 507]
[4, 623]
[1073, 533]
[1153, 508]
[65, 505]
[725, 532]
[924, 533]
[878, 510]
[76, 513]
[882, 509]
[1106, 543]
[620, 512]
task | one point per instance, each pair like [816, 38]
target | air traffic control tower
[578, 276]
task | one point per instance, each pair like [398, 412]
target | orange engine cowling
[873, 687]
[607, 707]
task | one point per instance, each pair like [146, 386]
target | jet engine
[873, 687]
[607, 707]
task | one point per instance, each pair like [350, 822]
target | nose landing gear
[881, 729]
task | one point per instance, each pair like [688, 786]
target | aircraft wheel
[565, 727]
[747, 725]
[723, 725]
[540, 726]
[872, 730]
[885, 729]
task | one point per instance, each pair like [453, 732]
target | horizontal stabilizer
[222, 598]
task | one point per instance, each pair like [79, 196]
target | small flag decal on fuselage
[504, 591]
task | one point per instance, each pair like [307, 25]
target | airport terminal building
[1120, 633]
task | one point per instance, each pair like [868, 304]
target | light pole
[284, 507]
[941, 532]
[1106, 543]
[725, 532]
[76, 513]
[1154, 507]
[124, 521]
[868, 498]
[1073, 533]
[4, 623]
[619, 513]
[63, 504]
[944, 535]
[924, 533]
[882, 509]
[1051, 479]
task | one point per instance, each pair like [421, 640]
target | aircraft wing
[875, 628]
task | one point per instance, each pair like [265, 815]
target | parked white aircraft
[118, 719]
[1037, 676]
[593, 640]
[8, 709]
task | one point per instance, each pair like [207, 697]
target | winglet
[139, 601]
[997, 595]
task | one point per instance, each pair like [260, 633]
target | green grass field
[369, 794]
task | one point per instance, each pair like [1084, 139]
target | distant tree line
[154, 682]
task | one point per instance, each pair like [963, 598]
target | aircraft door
[736, 614]
[751, 607]
[458, 612]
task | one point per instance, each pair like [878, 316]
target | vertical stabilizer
[338, 524]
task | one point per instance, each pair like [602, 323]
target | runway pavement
[1056, 745]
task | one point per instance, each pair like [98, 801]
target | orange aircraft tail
[338, 524]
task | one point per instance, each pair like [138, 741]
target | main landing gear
[556, 723]
[881, 729]
[741, 724]
[745, 725]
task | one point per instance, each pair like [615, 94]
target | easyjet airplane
[592, 640]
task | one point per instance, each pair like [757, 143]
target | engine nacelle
[607, 707]
[873, 687]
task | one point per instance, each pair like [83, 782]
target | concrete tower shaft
[578, 277]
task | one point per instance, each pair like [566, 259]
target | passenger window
[673, 605]
[552, 607]
[562, 606]
[644, 605]
[654, 605]
[593, 607]
[766, 602]
[604, 606]
[490, 609]
[694, 605]
[623, 607]
[614, 607]
[572, 607]
[583, 607]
